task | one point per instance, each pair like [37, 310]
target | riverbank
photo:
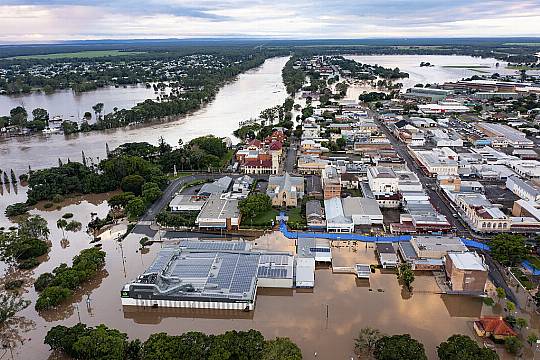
[244, 98]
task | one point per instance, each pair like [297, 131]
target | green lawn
[264, 219]
[80, 54]
[178, 175]
[535, 261]
[296, 220]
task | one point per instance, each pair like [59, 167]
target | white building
[524, 189]
[362, 211]
[436, 162]
[382, 180]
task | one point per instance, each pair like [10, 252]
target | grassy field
[80, 54]
[264, 219]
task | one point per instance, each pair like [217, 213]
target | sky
[56, 20]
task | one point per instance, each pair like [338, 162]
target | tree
[98, 108]
[281, 349]
[532, 338]
[462, 347]
[151, 192]
[254, 205]
[40, 114]
[16, 209]
[398, 347]
[35, 226]
[366, 341]
[101, 343]
[521, 323]
[19, 116]
[10, 304]
[132, 184]
[135, 208]
[121, 200]
[501, 294]
[406, 274]
[73, 226]
[508, 249]
[52, 296]
[210, 144]
[510, 306]
[513, 345]
[61, 224]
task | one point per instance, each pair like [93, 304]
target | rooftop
[468, 261]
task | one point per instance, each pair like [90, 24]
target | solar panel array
[193, 267]
[162, 259]
[278, 273]
[245, 271]
[226, 271]
[276, 259]
[214, 245]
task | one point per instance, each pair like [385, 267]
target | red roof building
[493, 326]
[276, 145]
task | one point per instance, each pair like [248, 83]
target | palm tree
[61, 224]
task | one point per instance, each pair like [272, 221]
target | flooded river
[72, 106]
[445, 67]
[301, 315]
[241, 99]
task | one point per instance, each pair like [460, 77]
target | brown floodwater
[239, 100]
[301, 315]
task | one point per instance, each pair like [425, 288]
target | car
[455, 215]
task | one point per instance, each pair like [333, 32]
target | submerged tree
[406, 274]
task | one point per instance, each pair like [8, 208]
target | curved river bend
[244, 98]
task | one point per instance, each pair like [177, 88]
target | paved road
[428, 183]
[290, 156]
[171, 190]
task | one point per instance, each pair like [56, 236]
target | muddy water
[300, 315]
[445, 67]
[244, 98]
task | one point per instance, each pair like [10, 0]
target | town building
[503, 135]
[315, 215]
[208, 275]
[285, 190]
[362, 211]
[383, 184]
[493, 327]
[311, 165]
[481, 214]
[387, 255]
[187, 203]
[466, 273]
[218, 187]
[427, 93]
[336, 221]
[219, 212]
[524, 189]
[319, 249]
[331, 182]
[436, 162]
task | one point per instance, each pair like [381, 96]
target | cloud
[50, 20]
